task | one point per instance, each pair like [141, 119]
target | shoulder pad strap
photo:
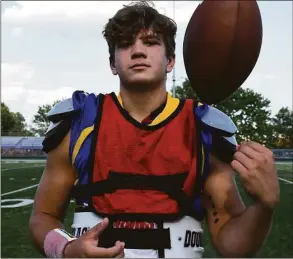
[216, 119]
[61, 110]
[52, 126]
[224, 148]
[55, 134]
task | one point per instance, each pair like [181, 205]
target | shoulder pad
[232, 140]
[59, 117]
[216, 119]
[60, 110]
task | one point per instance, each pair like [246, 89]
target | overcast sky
[50, 49]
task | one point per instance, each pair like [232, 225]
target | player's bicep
[56, 182]
[221, 197]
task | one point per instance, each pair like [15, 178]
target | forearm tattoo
[215, 213]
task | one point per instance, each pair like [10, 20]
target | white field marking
[285, 180]
[20, 190]
[21, 202]
[17, 168]
[15, 161]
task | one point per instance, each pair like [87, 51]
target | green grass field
[15, 240]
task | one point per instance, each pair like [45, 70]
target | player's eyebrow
[150, 37]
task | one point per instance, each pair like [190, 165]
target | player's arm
[236, 230]
[51, 202]
[52, 196]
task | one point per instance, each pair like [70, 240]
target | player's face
[143, 62]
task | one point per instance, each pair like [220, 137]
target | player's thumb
[96, 230]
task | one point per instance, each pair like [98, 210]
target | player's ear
[170, 64]
[112, 65]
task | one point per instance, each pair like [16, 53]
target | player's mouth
[139, 66]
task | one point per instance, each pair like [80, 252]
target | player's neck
[141, 104]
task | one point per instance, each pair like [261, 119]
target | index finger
[256, 146]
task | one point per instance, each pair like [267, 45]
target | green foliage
[13, 124]
[283, 128]
[251, 114]
[249, 111]
[40, 121]
[185, 91]
[7, 119]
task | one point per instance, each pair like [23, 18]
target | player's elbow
[32, 224]
[33, 227]
[42, 222]
[39, 225]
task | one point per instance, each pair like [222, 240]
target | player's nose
[138, 50]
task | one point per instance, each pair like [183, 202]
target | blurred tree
[282, 136]
[40, 120]
[13, 124]
[249, 111]
[7, 120]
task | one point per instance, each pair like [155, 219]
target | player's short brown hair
[137, 17]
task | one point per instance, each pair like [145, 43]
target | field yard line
[19, 190]
[285, 180]
[16, 168]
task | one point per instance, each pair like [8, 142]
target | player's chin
[141, 79]
[141, 84]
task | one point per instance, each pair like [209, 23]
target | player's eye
[151, 42]
[124, 44]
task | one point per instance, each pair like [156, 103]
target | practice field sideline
[18, 186]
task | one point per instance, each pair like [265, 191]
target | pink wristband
[55, 242]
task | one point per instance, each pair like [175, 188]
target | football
[221, 46]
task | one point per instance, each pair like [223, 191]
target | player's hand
[256, 167]
[86, 246]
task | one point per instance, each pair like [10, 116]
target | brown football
[221, 46]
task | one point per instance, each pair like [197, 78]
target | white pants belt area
[181, 238]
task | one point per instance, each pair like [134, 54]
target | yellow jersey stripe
[120, 99]
[202, 159]
[171, 106]
[83, 135]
